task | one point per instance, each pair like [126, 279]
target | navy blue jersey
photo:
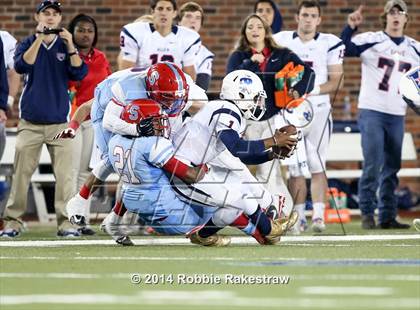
[45, 98]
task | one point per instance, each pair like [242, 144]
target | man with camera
[48, 60]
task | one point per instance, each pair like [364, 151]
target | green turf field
[317, 273]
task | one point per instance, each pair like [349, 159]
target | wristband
[74, 53]
[316, 90]
[10, 100]
[74, 124]
[176, 167]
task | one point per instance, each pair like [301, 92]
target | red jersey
[98, 70]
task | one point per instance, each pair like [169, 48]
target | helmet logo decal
[154, 76]
[245, 80]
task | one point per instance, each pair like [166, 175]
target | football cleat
[76, 209]
[214, 240]
[272, 212]
[68, 233]
[10, 233]
[86, 231]
[318, 225]
[124, 241]
[279, 227]
[111, 225]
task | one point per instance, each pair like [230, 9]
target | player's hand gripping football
[286, 141]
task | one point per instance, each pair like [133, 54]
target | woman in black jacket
[256, 51]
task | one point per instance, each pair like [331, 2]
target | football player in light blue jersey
[163, 82]
[142, 161]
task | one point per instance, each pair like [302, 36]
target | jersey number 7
[389, 65]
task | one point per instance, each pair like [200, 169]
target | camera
[51, 30]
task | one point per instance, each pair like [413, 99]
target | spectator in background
[324, 53]
[85, 35]
[269, 11]
[9, 82]
[48, 61]
[191, 15]
[256, 51]
[147, 18]
[385, 56]
[145, 44]
[4, 93]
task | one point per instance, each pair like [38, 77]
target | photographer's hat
[48, 4]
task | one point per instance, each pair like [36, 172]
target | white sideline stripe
[185, 258]
[346, 290]
[326, 277]
[185, 241]
[217, 299]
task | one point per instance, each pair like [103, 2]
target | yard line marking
[215, 299]
[329, 262]
[261, 262]
[185, 241]
[346, 290]
[301, 277]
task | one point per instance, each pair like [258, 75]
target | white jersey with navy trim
[197, 141]
[142, 44]
[383, 64]
[324, 50]
[204, 61]
[9, 46]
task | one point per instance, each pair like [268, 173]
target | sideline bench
[346, 147]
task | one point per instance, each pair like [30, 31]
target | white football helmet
[245, 89]
[410, 87]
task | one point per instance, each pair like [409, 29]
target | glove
[68, 133]
[145, 127]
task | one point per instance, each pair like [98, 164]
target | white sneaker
[318, 225]
[416, 224]
[76, 210]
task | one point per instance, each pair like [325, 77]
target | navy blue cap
[56, 5]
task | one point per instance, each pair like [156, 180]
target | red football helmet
[166, 84]
[141, 109]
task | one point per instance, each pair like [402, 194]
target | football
[284, 152]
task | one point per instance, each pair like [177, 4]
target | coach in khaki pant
[48, 62]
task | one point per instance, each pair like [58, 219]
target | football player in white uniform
[191, 15]
[216, 128]
[13, 81]
[144, 44]
[386, 55]
[324, 53]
